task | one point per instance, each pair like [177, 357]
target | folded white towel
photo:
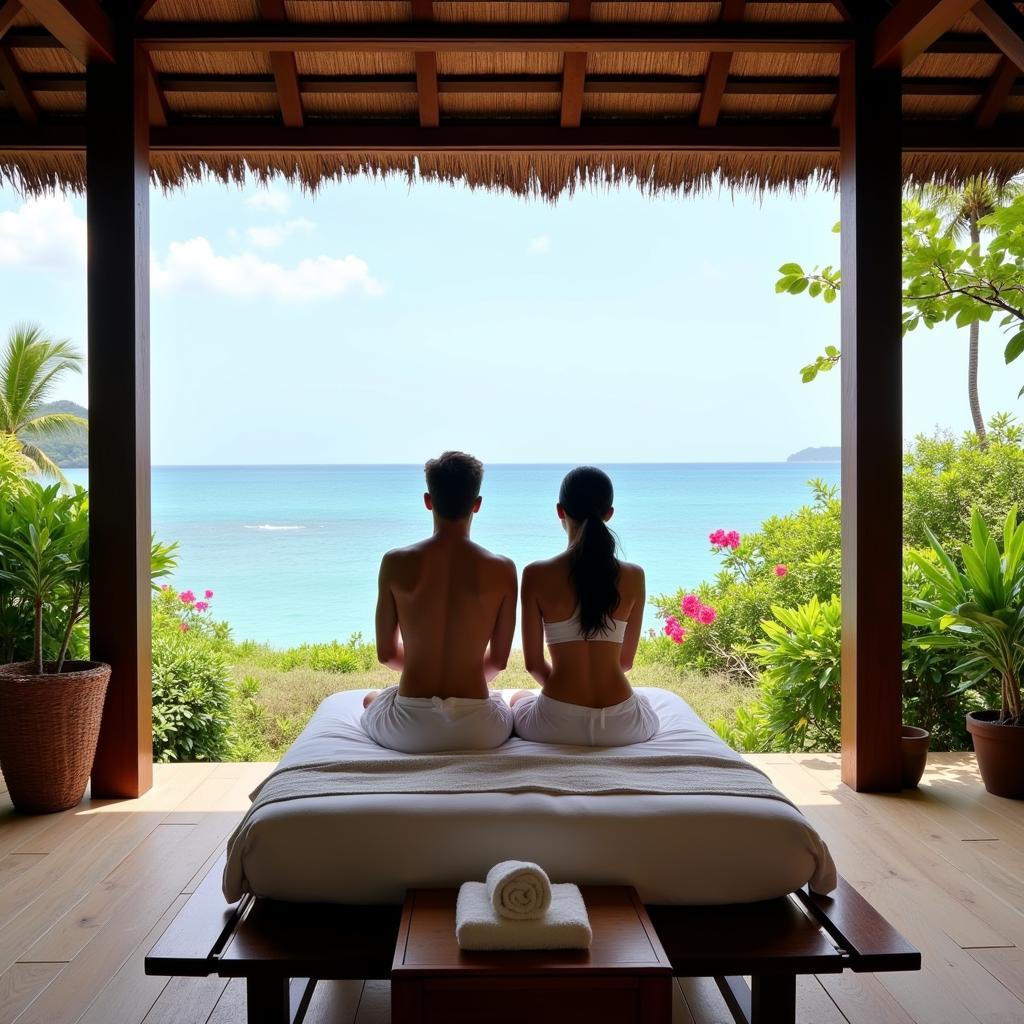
[565, 924]
[518, 889]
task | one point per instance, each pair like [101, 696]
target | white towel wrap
[565, 924]
[518, 890]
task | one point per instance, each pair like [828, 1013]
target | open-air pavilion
[536, 98]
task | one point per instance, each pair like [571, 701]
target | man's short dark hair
[453, 482]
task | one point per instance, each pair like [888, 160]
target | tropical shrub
[791, 559]
[978, 611]
[192, 692]
[13, 467]
[944, 478]
[354, 656]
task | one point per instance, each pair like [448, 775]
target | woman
[588, 606]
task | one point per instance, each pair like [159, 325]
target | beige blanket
[592, 772]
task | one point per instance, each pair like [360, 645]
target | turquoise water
[291, 552]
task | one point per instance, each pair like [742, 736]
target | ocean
[291, 552]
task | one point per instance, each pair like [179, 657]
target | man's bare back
[446, 614]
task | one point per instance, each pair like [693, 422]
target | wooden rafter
[999, 87]
[81, 26]
[574, 71]
[912, 26]
[782, 37]
[1004, 24]
[718, 69]
[157, 103]
[286, 72]
[426, 71]
[9, 10]
[17, 91]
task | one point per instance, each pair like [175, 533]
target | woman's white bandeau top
[568, 630]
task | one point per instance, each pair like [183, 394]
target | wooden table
[625, 977]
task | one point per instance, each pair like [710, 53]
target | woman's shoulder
[631, 574]
[544, 567]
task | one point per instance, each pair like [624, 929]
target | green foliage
[68, 447]
[945, 478]
[30, 367]
[978, 611]
[354, 656]
[13, 467]
[805, 542]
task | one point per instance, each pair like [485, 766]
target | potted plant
[49, 708]
[979, 611]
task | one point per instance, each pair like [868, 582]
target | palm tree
[30, 366]
[963, 207]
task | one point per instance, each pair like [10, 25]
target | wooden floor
[84, 894]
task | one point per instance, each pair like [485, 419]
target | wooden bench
[282, 950]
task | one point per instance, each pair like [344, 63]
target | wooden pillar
[872, 420]
[117, 166]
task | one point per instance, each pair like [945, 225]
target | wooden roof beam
[912, 26]
[1004, 25]
[718, 69]
[574, 71]
[286, 71]
[17, 91]
[158, 114]
[81, 26]
[565, 37]
[998, 90]
[9, 10]
[426, 71]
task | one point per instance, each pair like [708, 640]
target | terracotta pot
[914, 745]
[49, 726]
[1000, 751]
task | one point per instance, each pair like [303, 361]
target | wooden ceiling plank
[158, 114]
[1004, 25]
[426, 71]
[718, 69]
[912, 26]
[285, 69]
[994, 98]
[9, 10]
[574, 71]
[81, 26]
[17, 91]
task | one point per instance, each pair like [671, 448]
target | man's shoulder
[398, 555]
[492, 558]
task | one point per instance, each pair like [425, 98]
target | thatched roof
[220, 108]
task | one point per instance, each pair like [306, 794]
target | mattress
[371, 847]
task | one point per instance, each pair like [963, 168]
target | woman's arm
[390, 651]
[533, 630]
[634, 623]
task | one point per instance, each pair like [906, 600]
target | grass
[279, 691]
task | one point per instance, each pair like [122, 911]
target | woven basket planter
[49, 726]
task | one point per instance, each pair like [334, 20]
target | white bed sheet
[370, 848]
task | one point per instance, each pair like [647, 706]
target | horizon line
[419, 465]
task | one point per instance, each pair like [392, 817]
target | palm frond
[45, 466]
[65, 423]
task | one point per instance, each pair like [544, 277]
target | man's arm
[504, 626]
[633, 626]
[533, 631]
[390, 651]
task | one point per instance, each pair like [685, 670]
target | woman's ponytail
[586, 497]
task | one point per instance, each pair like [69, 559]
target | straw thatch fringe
[547, 176]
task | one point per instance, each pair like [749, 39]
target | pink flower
[183, 626]
[677, 636]
[706, 615]
[166, 587]
[781, 570]
[690, 605]
[718, 538]
[208, 594]
[187, 597]
[673, 630]
[201, 606]
[732, 539]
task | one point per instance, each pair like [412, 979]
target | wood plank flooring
[84, 894]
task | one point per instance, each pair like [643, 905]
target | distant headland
[815, 455]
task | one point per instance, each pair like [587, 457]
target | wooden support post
[117, 166]
[872, 422]
[426, 71]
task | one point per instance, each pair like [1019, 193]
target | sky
[379, 322]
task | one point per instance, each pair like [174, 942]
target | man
[446, 616]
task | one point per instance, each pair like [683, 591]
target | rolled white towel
[518, 890]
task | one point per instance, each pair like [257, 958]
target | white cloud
[42, 234]
[268, 237]
[195, 265]
[269, 199]
[542, 243]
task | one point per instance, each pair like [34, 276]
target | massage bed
[735, 879]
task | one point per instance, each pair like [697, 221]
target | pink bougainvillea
[208, 594]
[201, 606]
[706, 615]
[187, 597]
[725, 539]
[183, 626]
[781, 570]
[673, 630]
[690, 605]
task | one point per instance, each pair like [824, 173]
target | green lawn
[274, 704]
